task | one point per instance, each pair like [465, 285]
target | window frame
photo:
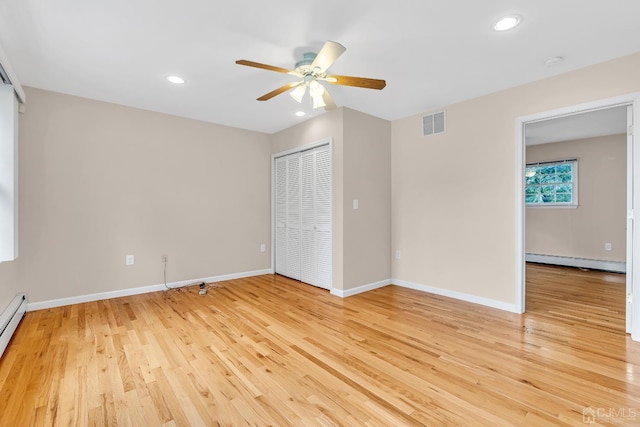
[8, 173]
[573, 182]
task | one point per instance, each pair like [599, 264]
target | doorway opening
[577, 124]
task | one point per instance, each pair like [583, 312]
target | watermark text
[611, 415]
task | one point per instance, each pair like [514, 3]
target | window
[8, 173]
[552, 183]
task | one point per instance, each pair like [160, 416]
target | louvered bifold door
[303, 216]
[293, 216]
[308, 258]
[323, 217]
[287, 201]
[281, 216]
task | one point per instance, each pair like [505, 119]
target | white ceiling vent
[433, 124]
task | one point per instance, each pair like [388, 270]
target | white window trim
[8, 173]
[574, 196]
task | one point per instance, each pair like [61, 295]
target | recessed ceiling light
[175, 79]
[507, 22]
[553, 60]
[300, 113]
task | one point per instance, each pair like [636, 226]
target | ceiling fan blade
[328, 55]
[264, 66]
[356, 81]
[278, 91]
[329, 104]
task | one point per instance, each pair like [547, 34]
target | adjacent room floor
[271, 351]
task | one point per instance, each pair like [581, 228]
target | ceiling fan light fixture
[298, 92]
[507, 22]
[316, 90]
[318, 102]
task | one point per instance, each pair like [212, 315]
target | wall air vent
[433, 124]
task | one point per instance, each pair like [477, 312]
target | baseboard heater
[593, 264]
[10, 318]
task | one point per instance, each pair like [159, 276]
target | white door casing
[633, 233]
[630, 223]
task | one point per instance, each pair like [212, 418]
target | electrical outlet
[165, 259]
[128, 260]
[263, 247]
[607, 246]
[398, 253]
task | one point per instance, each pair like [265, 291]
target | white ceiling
[431, 53]
[608, 121]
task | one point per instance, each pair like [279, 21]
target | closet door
[308, 264]
[315, 217]
[293, 216]
[281, 215]
[287, 221]
[323, 217]
[303, 216]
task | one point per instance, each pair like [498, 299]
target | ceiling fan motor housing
[304, 65]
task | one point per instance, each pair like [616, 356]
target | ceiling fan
[312, 69]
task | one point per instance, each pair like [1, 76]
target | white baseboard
[500, 305]
[338, 292]
[360, 289]
[617, 266]
[424, 288]
[141, 290]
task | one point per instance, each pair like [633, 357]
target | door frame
[633, 286]
[274, 156]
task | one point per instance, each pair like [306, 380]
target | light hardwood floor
[271, 351]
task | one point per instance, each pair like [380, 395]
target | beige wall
[601, 215]
[361, 170]
[453, 195]
[367, 178]
[99, 181]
